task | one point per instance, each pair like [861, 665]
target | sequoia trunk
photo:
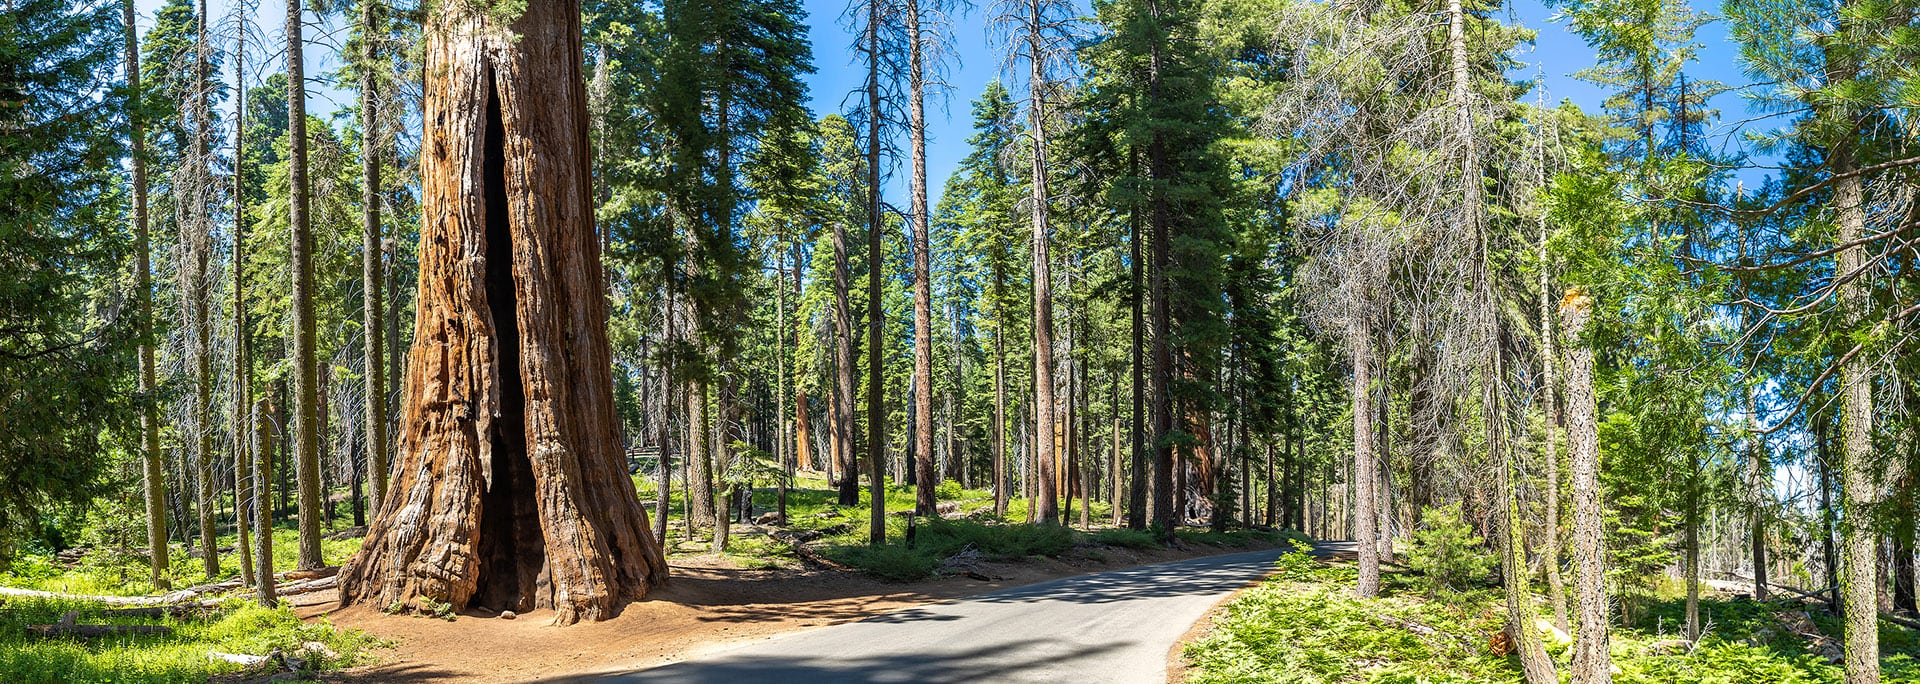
[509, 491]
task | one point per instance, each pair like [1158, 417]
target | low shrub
[1446, 553]
[888, 561]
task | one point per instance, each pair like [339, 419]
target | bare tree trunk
[510, 491]
[1550, 365]
[241, 420]
[1858, 482]
[263, 417]
[1158, 167]
[152, 462]
[306, 398]
[700, 508]
[1534, 662]
[1044, 456]
[1137, 494]
[1000, 483]
[1592, 664]
[373, 318]
[198, 235]
[663, 435]
[845, 461]
[876, 432]
[922, 289]
[803, 444]
[1360, 350]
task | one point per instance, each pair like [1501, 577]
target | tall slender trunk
[663, 429]
[876, 432]
[1044, 456]
[1000, 483]
[241, 422]
[1858, 481]
[1829, 557]
[1137, 493]
[1159, 168]
[1549, 387]
[306, 399]
[153, 463]
[1534, 662]
[200, 353]
[924, 473]
[1690, 545]
[374, 320]
[843, 371]
[700, 508]
[781, 434]
[1115, 479]
[1360, 350]
[1592, 664]
[263, 433]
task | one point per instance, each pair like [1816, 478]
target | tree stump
[510, 491]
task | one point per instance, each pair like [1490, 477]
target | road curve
[1112, 627]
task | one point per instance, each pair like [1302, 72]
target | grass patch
[108, 572]
[1303, 626]
[178, 657]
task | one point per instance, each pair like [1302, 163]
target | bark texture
[1360, 347]
[151, 461]
[1592, 664]
[374, 318]
[923, 474]
[1859, 485]
[510, 491]
[306, 393]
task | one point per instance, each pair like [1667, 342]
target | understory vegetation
[235, 627]
[922, 547]
[1304, 625]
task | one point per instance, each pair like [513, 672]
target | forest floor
[1303, 625]
[711, 602]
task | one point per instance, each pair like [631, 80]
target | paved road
[1107, 628]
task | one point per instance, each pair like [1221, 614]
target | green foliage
[179, 657]
[1447, 553]
[65, 336]
[1303, 626]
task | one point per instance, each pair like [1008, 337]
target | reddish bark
[509, 491]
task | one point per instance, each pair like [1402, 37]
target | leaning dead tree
[509, 491]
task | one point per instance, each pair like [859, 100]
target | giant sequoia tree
[509, 491]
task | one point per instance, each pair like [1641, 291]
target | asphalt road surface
[1111, 627]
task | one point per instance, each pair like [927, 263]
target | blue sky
[978, 58]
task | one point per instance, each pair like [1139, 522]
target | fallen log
[240, 659]
[182, 610]
[1829, 591]
[181, 596]
[310, 574]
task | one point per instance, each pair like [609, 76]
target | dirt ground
[708, 604]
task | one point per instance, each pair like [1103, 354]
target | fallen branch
[800, 549]
[240, 659]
